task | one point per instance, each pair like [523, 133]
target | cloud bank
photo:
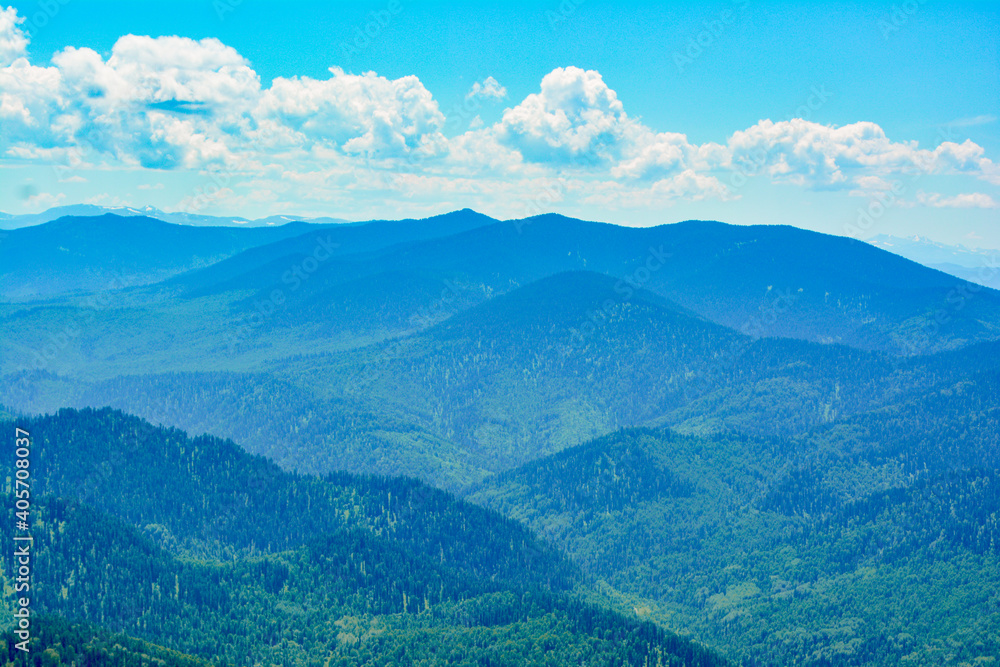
[173, 103]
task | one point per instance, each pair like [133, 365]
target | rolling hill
[862, 563]
[781, 442]
[517, 377]
[783, 280]
[201, 548]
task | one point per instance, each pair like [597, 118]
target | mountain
[208, 551]
[266, 267]
[517, 377]
[372, 282]
[778, 280]
[109, 252]
[9, 222]
[780, 443]
[974, 265]
[721, 536]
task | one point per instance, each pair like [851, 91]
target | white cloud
[43, 200]
[984, 119]
[965, 200]
[13, 42]
[105, 199]
[684, 186]
[575, 118]
[173, 102]
[488, 89]
[805, 153]
[198, 105]
[653, 156]
[363, 114]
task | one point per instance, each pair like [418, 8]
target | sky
[846, 118]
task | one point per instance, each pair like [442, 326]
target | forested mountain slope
[194, 545]
[522, 375]
[834, 289]
[871, 541]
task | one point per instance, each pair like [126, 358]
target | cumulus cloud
[488, 89]
[178, 103]
[575, 117]
[804, 153]
[159, 103]
[13, 42]
[366, 113]
[577, 120]
[965, 200]
[174, 102]
[651, 156]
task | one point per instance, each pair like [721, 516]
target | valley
[695, 443]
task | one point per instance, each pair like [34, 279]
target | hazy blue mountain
[974, 265]
[782, 442]
[271, 266]
[109, 252]
[764, 280]
[8, 221]
[781, 550]
[519, 376]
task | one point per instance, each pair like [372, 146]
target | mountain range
[8, 221]
[776, 443]
[973, 264]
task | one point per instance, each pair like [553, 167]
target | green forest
[463, 442]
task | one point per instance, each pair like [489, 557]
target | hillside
[764, 280]
[704, 429]
[110, 252]
[519, 376]
[212, 552]
[265, 267]
[376, 281]
[74, 643]
[869, 541]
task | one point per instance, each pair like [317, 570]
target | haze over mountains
[972, 264]
[752, 435]
[8, 221]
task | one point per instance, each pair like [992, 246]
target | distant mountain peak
[10, 222]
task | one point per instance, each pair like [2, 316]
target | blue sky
[847, 118]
